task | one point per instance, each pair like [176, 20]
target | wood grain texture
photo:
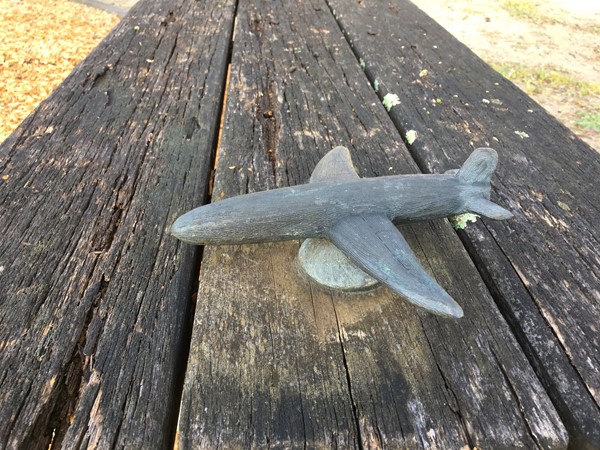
[543, 266]
[95, 299]
[276, 361]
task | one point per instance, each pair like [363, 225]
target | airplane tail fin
[479, 166]
[478, 169]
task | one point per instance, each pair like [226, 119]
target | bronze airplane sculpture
[357, 216]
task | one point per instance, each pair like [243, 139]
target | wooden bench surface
[114, 334]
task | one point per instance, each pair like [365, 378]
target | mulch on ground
[40, 44]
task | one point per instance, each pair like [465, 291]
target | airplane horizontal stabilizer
[488, 208]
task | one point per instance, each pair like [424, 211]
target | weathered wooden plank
[95, 299]
[543, 265]
[277, 361]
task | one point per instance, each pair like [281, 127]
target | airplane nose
[175, 228]
[182, 227]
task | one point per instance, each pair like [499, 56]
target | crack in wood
[51, 426]
[267, 111]
[453, 404]
[270, 125]
[113, 225]
[515, 396]
[355, 411]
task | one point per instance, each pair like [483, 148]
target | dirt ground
[549, 48]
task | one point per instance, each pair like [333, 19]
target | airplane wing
[376, 246]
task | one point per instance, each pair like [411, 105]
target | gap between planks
[223, 104]
[187, 341]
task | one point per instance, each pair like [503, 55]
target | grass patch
[526, 10]
[589, 121]
[535, 79]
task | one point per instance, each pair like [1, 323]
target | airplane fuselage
[308, 210]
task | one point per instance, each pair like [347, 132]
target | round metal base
[327, 265]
